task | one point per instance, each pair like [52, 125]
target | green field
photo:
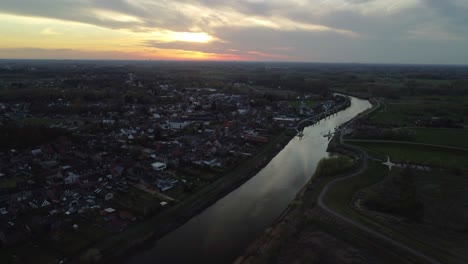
[425, 155]
[8, 183]
[308, 103]
[444, 200]
[342, 193]
[445, 245]
[442, 136]
[137, 201]
[405, 113]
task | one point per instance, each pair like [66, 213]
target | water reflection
[221, 232]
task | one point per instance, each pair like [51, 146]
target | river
[223, 231]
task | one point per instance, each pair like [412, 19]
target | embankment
[140, 236]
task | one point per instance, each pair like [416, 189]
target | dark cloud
[159, 15]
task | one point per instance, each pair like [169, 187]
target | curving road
[322, 204]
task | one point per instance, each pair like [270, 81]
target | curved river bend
[223, 231]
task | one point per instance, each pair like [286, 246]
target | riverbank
[303, 221]
[309, 231]
[138, 237]
[307, 234]
[143, 235]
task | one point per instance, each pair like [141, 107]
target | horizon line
[239, 61]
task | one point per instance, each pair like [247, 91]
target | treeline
[333, 166]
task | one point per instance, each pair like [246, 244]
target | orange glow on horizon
[170, 54]
[47, 38]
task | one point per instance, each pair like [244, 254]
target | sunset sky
[374, 31]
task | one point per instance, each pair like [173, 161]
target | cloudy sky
[375, 31]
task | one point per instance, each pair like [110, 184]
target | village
[103, 171]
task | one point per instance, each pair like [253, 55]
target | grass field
[137, 201]
[426, 155]
[342, 193]
[448, 249]
[441, 232]
[8, 183]
[442, 136]
[444, 198]
[405, 113]
[308, 103]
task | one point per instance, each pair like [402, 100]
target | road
[322, 204]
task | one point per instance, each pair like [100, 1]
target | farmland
[407, 113]
[420, 154]
[442, 201]
[442, 136]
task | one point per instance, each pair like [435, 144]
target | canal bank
[142, 235]
[223, 230]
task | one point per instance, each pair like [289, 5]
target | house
[166, 184]
[36, 152]
[3, 211]
[212, 163]
[108, 121]
[243, 111]
[45, 203]
[109, 210]
[177, 124]
[158, 166]
[49, 165]
[71, 178]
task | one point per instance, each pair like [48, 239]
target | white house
[3, 211]
[71, 178]
[36, 152]
[177, 124]
[158, 166]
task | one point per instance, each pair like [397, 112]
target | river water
[223, 231]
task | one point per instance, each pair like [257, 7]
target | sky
[359, 31]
